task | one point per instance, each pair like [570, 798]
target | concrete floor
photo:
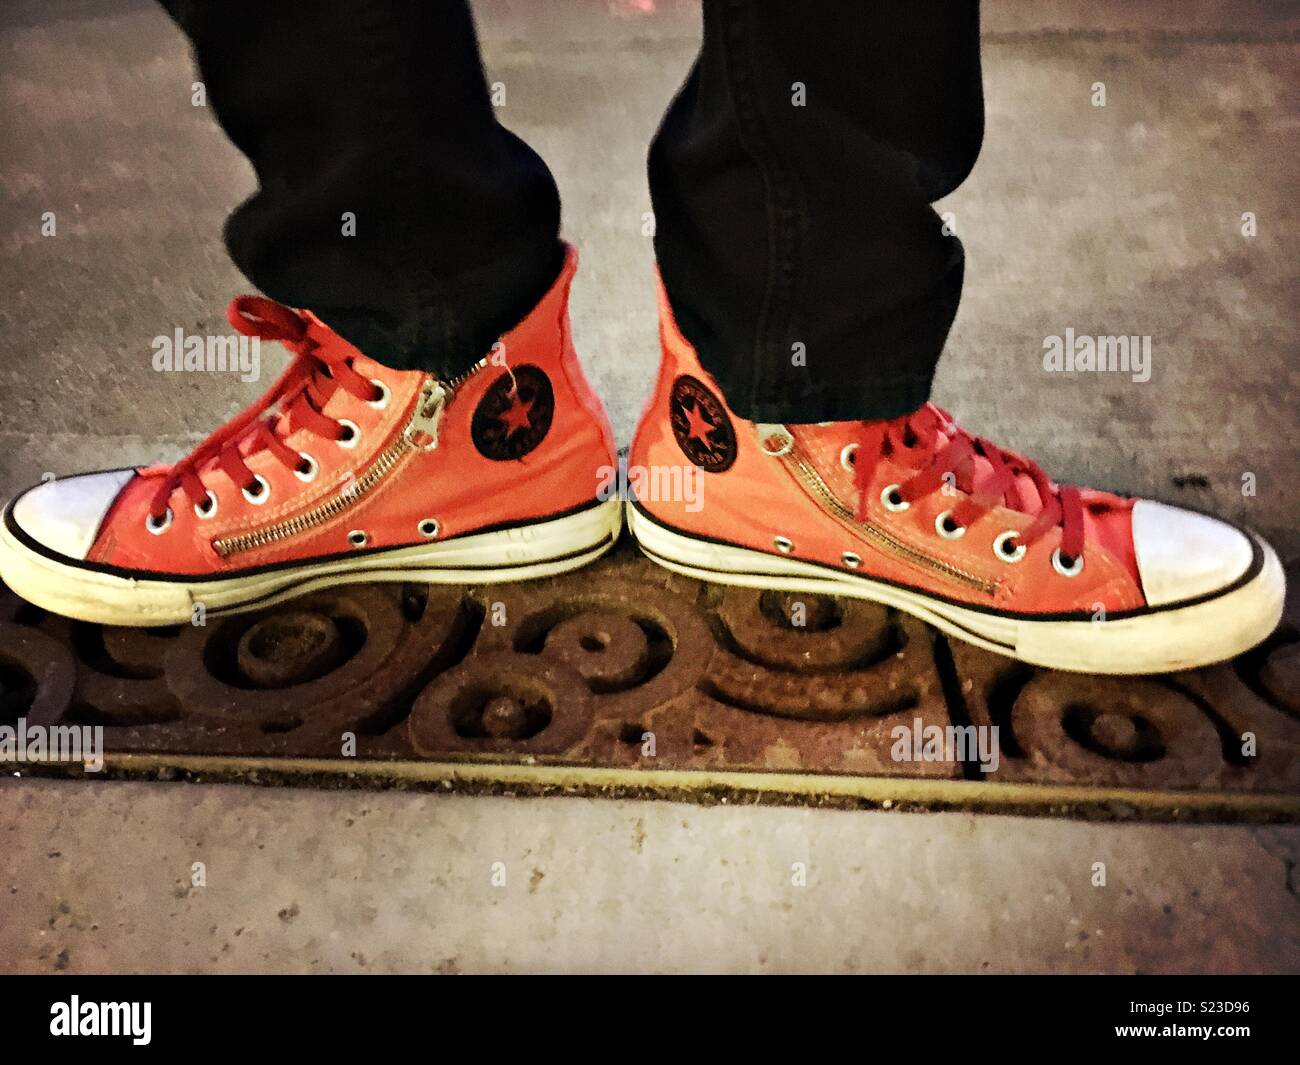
[356, 882]
[1116, 220]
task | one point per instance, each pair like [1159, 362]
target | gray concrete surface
[355, 882]
[1116, 220]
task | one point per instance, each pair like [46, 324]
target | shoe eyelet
[262, 494]
[208, 509]
[891, 498]
[1072, 570]
[384, 395]
[783, 544]
[309, 474]
[158, 528]
[358, 538]
[775, 440]
[1000, 547]
[847, 457]
[429, 528]
[851, 560]
[947, 528]
[352, 434]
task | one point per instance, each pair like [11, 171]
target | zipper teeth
[812, 480]
[350, 496]
[346, 499]
[455, 382]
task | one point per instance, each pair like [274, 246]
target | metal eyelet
[160, 527]
[353, 436]
[891, 498]
[1058, 564]
[358, 538]
[429, 528]
[384, 395]
[1000, 547]
[309, 474]
[778, 435]
[846, 456]
[851, 560]
[947, 528]
[783, 544]
[261, 496]
[208, 510]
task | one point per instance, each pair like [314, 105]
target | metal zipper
[812, 482]
[419, 434]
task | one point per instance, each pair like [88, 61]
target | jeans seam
[426, 293]
[781, 195]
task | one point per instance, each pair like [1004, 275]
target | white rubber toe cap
[65, 515]
[1183, 555]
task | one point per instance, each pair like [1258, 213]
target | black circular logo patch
[701, 426]
[514, 415]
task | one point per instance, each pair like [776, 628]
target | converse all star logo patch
[514, 415]
[701, 425]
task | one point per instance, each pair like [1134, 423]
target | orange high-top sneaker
[344, 471]
[918, 514]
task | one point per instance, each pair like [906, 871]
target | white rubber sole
[542, 549]
[1159, 641]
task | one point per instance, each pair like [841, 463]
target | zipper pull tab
[422, 430]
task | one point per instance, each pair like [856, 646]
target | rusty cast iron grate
[637, 680]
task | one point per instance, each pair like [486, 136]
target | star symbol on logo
[698, 426]
[517, 416]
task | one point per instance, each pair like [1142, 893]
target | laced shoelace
[300, 396]
[930, 442]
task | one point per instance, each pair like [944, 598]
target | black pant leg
[378, 108]
[784, 229]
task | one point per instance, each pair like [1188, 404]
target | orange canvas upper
[523, 437]
[756, 499]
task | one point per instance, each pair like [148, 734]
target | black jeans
[791, 180]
